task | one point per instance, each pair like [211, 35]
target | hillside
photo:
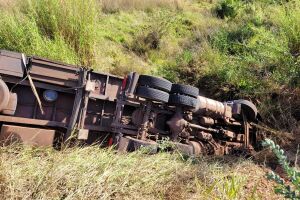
[230, 49]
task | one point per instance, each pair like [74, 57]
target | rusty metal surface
[30, 136]
[177, 125]
[132, 82]
[22, 120]
[137, 116]
[210, 107]
[143, 128]
[206, 121]
[204, 136]
[37, 84]
[107, 87]
[198, 148]
[103, 107]
[59, 111]
[246, 127]
[100, 113]
[76, 103]
[53, 72]
[11, 64]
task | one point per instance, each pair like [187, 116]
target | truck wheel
[184, 148]
[136, 144]
[155, 82]
[4, 95]
[152, 94]
[182, 100]
[197, 147]
[248, 108]
[185, 89]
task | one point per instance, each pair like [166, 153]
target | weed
[292, 173]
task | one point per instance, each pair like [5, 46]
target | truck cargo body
[69, 83]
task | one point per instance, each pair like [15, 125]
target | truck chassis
[47, 103]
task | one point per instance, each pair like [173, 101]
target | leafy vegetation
[291, 192]
[249, 45]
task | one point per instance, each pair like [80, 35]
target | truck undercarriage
[47, 103]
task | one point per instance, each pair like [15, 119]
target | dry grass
[93, 173]
[7, 4]
[110, 6]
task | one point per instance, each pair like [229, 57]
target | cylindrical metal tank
[213, 108]
[10, 109]
[4, 95]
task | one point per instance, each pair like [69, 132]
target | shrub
[292, 173]
[227, 8]
[144, 42]
[259, 58]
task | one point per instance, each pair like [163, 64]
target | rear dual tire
[155, 82]
[182, 100]
[152, 94]
[158, 89]
[185, 90]
[183, 95]
[153, 88]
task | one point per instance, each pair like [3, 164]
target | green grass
[94, 173]
[51, 29]
[251, 45]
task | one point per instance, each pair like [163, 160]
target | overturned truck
[47, 103]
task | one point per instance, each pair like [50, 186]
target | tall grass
[21, 34]
[111, 6]
[63, 30]
[74, 21]
[287, 20]
[93, 173]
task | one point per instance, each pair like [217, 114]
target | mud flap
[185, 149]
[129, 144]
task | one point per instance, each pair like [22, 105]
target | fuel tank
[212, 108]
